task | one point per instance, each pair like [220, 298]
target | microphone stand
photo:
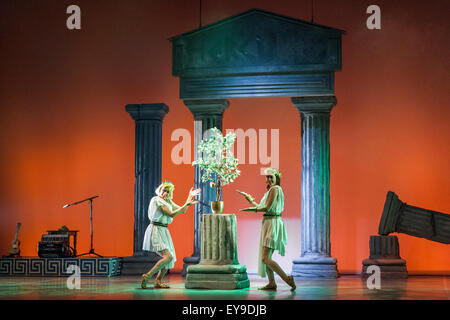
[91, 251]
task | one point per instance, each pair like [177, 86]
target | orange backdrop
[65, 134]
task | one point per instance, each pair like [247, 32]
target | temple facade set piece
[262, 54]
[253, 54]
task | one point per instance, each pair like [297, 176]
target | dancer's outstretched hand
[247, 196]
[193, 193]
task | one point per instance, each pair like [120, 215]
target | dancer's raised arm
[248, 197]
[189, 202]
[270, 197]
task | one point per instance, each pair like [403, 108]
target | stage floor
[128, 288]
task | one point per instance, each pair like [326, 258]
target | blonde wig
[166, 184]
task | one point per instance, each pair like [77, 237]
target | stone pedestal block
[219, 267]
[384, 253]
[187, 262]
[226, 277]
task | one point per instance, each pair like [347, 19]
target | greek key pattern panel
[37, 267]
[105, 267]
[6, 265]
[20, 267]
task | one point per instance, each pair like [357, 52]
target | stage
[346, 287]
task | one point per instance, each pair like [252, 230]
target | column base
[219, 277]
[389, 268]
[139, 264]
[315, 267]
[189, 261]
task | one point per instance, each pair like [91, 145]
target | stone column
[219, 267]
[417, 222]
[208, 113]
[315, 260]
[148, 157]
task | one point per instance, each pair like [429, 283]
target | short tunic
[273, 231]
[157, 238]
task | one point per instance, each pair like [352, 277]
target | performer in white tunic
[273, 232]
[161, 212]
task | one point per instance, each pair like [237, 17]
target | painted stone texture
[219, 267]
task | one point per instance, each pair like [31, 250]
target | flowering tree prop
[217, 160]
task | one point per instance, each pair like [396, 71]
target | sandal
[144, 281]
[269, 287]
[291, 282]
[161, 286]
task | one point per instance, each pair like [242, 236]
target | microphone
[91, 198]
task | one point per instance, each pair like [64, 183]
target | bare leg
[267, 254]
[271, 264]
[271, 277]
[161, 274]
[167, 257]
[159, 277]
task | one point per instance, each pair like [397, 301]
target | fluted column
[315, 259]
[401, 217]
[148, 156]
[208, 113]
[219, 241]
[384, 247]
[219, 267]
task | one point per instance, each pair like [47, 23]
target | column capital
[206, 107]
[148, 111]
[314, 103]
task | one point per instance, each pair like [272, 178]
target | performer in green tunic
[273, 232]
[161, 212]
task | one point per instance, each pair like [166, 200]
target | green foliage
[216, 160]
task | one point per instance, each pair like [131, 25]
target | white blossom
[216, 160]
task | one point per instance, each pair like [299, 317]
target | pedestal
[384, 253]
[219, 267]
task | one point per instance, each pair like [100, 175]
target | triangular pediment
[257, 42]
